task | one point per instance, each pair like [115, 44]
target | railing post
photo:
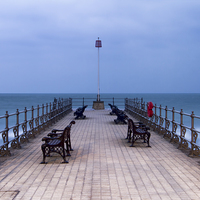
[46, 115]
[173, 120]
[42, 117]
[38, 111]
[17, 118]
[166, 117]
[32, 122]
[147, 109]
[25, 124]
[192, 120]
[17, 129]
[182, 130]
[142, 111]
[155, 118]
[50, 113]
[174, 126]
[160, 119]
[59, 107]
[62, 106]
[6, 135]
[43, 110]
[25, 118]
[166, 124]
[57, 112]
[46, 111]
[181, 122]
[38, 119]
[193, 135]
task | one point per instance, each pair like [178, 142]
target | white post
[98, 97]
[98, 105]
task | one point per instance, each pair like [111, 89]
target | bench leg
[148, 135]
[65, 161]
[45, 151]
[62, 153]
[127, 135]
[133, 140]
[116, 121]
[70, 146]
[43, 147]
[148, 138]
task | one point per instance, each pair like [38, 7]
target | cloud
[47, 39]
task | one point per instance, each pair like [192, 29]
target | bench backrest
[66, 131]
[81, 109]
[130, 124]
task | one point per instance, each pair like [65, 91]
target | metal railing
[79, 102]
[23, 125]
[179, 127]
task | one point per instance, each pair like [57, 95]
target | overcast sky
[48, 46]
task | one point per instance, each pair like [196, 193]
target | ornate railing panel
[23, 125]
[169, 123]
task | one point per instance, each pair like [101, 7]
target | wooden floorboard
[102, 166]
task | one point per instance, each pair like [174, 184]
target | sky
[148, 46]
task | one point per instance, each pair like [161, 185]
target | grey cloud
[156, 37]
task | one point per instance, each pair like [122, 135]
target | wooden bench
[56, 132]
[55, 142]
[79, 112]
[137, 131]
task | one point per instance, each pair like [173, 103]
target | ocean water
[188, 102]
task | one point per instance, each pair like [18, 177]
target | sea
[187, 101]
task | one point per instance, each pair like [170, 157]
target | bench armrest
[47, 139]
[56, 130]
[52, 134]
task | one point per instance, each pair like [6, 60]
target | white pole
[98, 98]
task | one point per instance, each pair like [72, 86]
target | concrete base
[98, 105]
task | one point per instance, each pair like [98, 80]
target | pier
[102, 166]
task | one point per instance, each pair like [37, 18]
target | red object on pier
[98, 43]
[149, 109]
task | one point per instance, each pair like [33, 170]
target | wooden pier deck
[102, 166]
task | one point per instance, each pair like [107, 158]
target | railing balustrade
[79, 102]
[169, 123]
[23, 125]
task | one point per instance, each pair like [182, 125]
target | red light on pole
[98, 45]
